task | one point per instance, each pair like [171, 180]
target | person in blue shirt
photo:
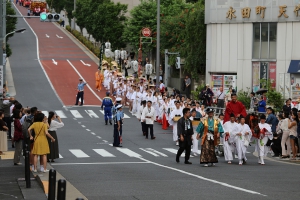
[261, 105]
[117, 127]
[80, 93]
[107, 103]
[272, 119]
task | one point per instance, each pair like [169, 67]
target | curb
[296, 162]
[9, 80]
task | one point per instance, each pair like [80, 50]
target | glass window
[264, 40]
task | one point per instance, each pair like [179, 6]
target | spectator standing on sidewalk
[7, 118]
[62, 23]
[18, 136]
[80, 93]
[187, 87]
[3, 134]
[54, 122]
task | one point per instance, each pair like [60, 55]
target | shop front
[250, 41]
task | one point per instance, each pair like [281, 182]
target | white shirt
[220, 95]
[148, 112]
[55, 125]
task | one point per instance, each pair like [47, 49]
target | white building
[249, 40]
[130, 3]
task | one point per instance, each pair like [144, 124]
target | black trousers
[116, 136]
[187, 149]
[276, 146]
[220, 104]
[188, 92]
[8, 123]
[79, 96]
[149, 126]
[143, 127]
[148, 76]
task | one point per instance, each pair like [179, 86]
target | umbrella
[261, 91]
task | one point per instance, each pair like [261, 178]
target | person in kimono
[195, 140]
[262, 138]
[209, 130]
[243, 136]
[177, 112]
[229, 138]
[148, 116]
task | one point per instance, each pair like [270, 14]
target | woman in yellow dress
[40, 145]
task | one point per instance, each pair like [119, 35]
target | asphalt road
[101, 171]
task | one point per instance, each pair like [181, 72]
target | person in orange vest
[99, 79]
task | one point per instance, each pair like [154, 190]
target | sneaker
[229, 162]
[42, 168]
[213, 164]
[206, 165]
[177, 143]
[241, 162]
[46, 170]
[35, 171]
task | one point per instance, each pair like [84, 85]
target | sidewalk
[12, 184]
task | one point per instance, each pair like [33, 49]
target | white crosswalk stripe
[154, 154]
[46, 113]
[125, 116]
[76, 114]
[79, 153]
[91, 114]
[174, 151]
[60, 156]
[103, 153]
[128, 152]
[157, 152]
[61, 114]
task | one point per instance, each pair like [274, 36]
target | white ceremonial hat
[118, 99]
[119, 106]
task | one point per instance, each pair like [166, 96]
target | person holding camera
[54, 122]
[253, 101]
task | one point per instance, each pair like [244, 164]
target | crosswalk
[120, 152]
[79, 114]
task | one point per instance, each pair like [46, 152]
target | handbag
[246, 142]
[38, 134]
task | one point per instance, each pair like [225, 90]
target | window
[264, 40]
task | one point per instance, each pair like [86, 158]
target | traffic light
[177, 64]
[49, 17]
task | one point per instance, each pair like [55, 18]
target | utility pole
[1, 39]
[4, 38]
[158, 44]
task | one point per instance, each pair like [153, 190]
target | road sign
[146, 32]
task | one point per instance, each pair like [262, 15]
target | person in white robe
[139, 115]
[195, 148]
[134, 101]
[148, 116]
[228, 138]
[243, 136]
[175, 113]
[261, 141]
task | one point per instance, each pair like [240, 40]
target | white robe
[228, 145]
[260, 146]
[240, 140]
[195, 141]
[173, 123]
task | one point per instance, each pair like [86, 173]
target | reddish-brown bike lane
[64, 62]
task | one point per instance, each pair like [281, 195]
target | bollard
[27, 170]
[52, 183]
[61, 189]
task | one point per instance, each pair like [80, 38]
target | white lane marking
[78, 153]
[157, 152]
[76, 114]
[85, 63]
[110, 145]
[93, 133]
[61, 114]
[125, 116]
[103, 153]
[38, 56]
[99, 137]
[54, 62]
[91, 114]
[60, 156]
[83, 126]
[47, 36]
[88, 129]
[101, 163]
[203, 178]
[174, 151]
[154, 154]
[105, 141]
[83, 79]
[129, 153]
[46, 113]
[59, 36]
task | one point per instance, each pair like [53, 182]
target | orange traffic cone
[164, 122]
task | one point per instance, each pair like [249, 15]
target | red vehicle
[25, 3]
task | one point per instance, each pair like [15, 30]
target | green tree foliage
[10, 25]
[69, 7]
[105, 19]
[274, 98]
[58, 5]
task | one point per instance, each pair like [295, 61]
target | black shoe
[177, 160]
[187, 162]
[275, 156]
[76, 105]
[48, 161]
[110, 122]
[81, 104]
[12, 146]
[117, 146]
[153, 138]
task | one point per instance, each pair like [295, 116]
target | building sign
[255, 76]
[272, 73]
[240, 11]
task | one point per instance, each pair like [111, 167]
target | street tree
[10, 25]
[57, 5]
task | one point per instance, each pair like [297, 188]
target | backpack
[28, 121]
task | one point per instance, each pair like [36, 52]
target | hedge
[84, 41]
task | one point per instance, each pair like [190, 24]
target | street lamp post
[158, 44]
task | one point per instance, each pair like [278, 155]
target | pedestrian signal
[177, 64]
[49, 17]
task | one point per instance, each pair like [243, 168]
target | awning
[294, 67]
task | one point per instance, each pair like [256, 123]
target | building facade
[131, 3]
[250, 40]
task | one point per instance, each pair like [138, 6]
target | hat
[233, 94]
[263, 116]
[207, 84]
[104, 67]
[119, 106]
[119, 74]
[107, 93]
[242, 117]
[118, 99]
[209, 110]
[151, 85]
[232, 115]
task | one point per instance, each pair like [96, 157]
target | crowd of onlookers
[29, 130]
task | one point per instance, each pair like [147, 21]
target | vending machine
[229, 80]
[217, 82]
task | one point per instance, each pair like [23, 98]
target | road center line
[83, 79]
[203, 178]
[100, 163]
